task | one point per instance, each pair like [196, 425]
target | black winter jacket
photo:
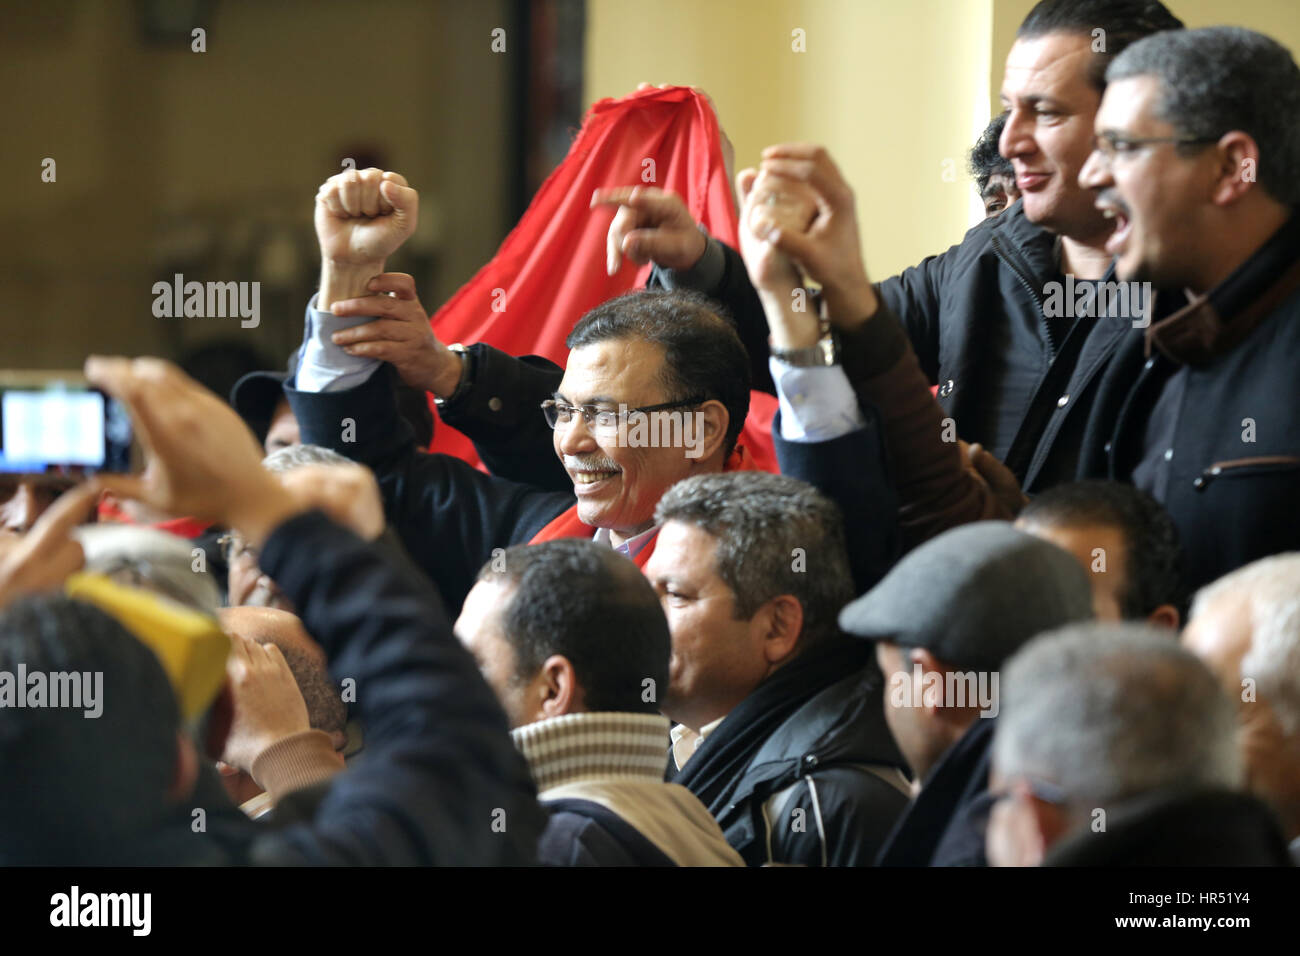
[1013, 380]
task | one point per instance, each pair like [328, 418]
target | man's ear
[1166, 616]
[928, 664]
[782, 619]
[714, 417]
[186, 772]
[1049, 822]
[559, 685]
[1238, 153]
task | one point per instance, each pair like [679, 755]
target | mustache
[1111, 197]
[590, 463]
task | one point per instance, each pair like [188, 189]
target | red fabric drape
[551, 268]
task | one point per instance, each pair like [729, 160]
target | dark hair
[1122, 22]
[75, 788]
[985, 160]
[703, 355]
[325, 708]
[776, 535]
[593, 606]
[1153, 556]
[1221, 79]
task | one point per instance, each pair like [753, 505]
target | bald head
[1246, 628]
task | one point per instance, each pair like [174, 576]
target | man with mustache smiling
[644, 352]
[1198, 160]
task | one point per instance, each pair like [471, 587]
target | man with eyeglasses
[655, 389]
[1198, 164]
[1017, 375]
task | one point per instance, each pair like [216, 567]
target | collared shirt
[605, 744]
[817, 403]
[630, 547]
[324, 366]
[687, 741]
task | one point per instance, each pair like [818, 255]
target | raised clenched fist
[363, 216]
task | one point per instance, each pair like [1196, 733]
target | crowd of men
[1025, 592]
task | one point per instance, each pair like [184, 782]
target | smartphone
[56, 425]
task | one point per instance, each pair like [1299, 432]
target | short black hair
[77, 789]
[1122, 22]
[1153, 559]
[1221, 79]
[593, 606]
[703, 355]
[325, 707]
[776, 535]
[985, 160]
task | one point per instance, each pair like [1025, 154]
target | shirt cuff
[324, 366]
[704, 276]
[297, 761]
[817, 403]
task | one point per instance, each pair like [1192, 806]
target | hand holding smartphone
[54, 425]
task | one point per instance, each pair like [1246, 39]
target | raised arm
[442, 782]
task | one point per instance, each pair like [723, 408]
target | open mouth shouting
[1114, 209]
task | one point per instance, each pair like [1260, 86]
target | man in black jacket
[1016, 377]
[942, 622]
[1203, 411]
[780, 728]
[645, 353]
[441, 783]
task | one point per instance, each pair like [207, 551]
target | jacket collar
[842, 724]
[605, 744]
[1026, 245]
[1213, 324]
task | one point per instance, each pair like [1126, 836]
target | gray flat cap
[973, 595]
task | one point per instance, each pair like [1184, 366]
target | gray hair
[151, 559]
[1270, 592]
[1110, 711]
[296, 456]
[776, 535]
[1220, 79]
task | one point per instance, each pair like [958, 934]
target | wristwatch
[825, 352]
[463, 354]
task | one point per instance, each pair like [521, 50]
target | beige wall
[871, 71]
[250, 127]
[894, 90]
[1280, 19]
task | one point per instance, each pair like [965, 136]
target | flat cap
[973, 595]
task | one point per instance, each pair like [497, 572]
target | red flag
[551, 268]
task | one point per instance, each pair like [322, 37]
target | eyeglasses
[1111, 145]
[234, 549]
[1041, 789]
[605, 421]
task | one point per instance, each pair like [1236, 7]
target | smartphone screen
[62, 429]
